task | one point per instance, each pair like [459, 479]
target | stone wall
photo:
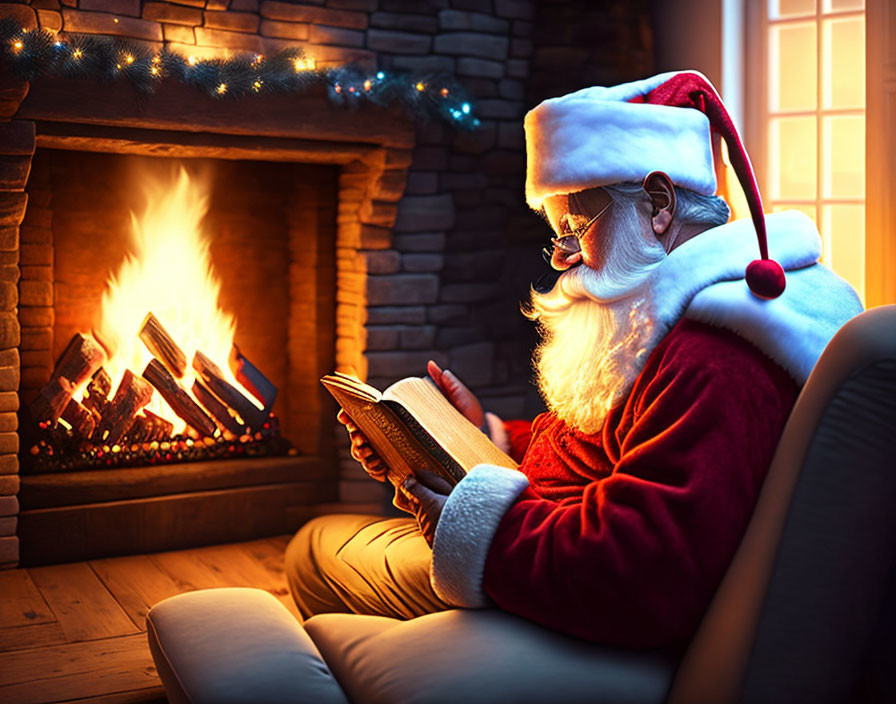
[447, 253]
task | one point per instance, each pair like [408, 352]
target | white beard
[597, 329]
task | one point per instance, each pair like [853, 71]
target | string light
[303, 64]
[115, 20]
[34, 55]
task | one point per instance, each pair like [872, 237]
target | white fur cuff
[465, 530]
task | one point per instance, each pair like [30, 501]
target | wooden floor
[76, 633]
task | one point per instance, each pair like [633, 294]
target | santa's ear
[658, 187]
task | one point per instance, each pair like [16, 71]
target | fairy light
[351, 89]
[367, 84]
[154, 70]
[380, 75]
[192, 60]
[258, 59]
[129, 58]
[257, 85]
[303, 64]
[444, 92]
[17, 45]
[115, 20]
[77, 54]
[221, 89]
[337, 88]
[465, 108]
[420, 87]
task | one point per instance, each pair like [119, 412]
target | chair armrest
[236, 646]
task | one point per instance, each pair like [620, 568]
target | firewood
[160, 429]
[217, 410]
[80, 419]
[227, 394]
[252, 379]
[162, 346]
[140, 430]
[96, 395]
[179, 400]
[81, 358]
[49, 404]
[132, 395]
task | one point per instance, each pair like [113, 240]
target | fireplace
[289, 210]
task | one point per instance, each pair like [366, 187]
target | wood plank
[137, 584]
[151, 695]
[21, 603]
[22, 637]
[185, 145]
[182, 108]
[77, 670]
[93, 486]
[83, 606]
[270, 554]
[165, 523]
[226, 566]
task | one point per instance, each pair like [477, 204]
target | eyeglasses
[568, 240]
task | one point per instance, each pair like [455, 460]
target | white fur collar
[704, 280]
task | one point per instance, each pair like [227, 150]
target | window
[809, 120]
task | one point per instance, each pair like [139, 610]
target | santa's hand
[457, 393]
[361, 449]
[426, 495]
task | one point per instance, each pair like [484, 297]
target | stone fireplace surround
[372, 154]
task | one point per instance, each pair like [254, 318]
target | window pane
[802, 207]
[844, 156]
[843, 62]
[844, 233]
[792, 159]
[792, 67]
[790, 8]
[840, 5]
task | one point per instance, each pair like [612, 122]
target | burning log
[81, 420]
[162, 346]
[81, 358]
[159, 428]
[252, 379]
[217, 410]
[228, 395]
[132, 395]
[179, 400]
[96, 397]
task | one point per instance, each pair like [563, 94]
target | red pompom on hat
[688, 89]
[600, 136]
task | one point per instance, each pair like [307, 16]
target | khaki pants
[363, 565]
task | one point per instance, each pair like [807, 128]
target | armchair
[802, 614]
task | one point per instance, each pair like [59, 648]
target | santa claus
[668, 371]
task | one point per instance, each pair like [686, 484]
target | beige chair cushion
[479, 656]
[236, 646]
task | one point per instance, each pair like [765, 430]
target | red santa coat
[659, 498]
[622, 536]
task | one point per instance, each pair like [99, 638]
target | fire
[169, 273]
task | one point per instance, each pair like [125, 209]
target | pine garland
[40, 53]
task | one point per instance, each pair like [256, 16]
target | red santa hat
[601, 136]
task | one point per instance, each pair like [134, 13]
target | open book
[411, 425]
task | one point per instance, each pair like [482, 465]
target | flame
[168, 273]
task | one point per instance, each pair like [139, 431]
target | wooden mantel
[180, 108]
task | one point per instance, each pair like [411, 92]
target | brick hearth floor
[76, 632]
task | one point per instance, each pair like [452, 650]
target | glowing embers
[146, 386]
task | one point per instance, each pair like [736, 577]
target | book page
[467, 444]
